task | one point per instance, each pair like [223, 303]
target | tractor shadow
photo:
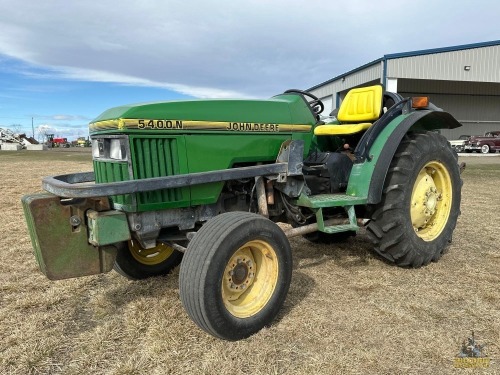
[354, 252]
[350, 255]
[301, 286]
[124, 291]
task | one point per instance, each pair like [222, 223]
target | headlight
[110, 148]
[95, 148]
[116, 151]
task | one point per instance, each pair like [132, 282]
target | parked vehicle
[83, 142]
[459, 144]
[206, 181]
[57, 141]
[488, 143]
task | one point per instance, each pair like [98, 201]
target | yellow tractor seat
[341, 129]
[359, 109]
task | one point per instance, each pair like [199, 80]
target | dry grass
[347, 311]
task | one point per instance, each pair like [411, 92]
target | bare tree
[43, 131]
[16, 128]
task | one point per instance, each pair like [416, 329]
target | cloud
[101, 76]
[66, 130]
[219, 48]
[45, 129]
[61, 117]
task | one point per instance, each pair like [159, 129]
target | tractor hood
[285, 112]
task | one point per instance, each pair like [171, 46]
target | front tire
[414, 222]
[136, 263]
[235, 274]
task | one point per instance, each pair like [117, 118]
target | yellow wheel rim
[149, 257]
[431, 201]
[250, 278]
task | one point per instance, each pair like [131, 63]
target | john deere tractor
[202, 183]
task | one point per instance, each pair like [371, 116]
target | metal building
[463, 80]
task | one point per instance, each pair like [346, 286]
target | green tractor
[205, 182]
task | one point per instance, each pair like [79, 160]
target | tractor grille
[106, 171]
[156, 157]
[145, 157]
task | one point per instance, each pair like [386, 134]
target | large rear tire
[136, 263]
[235, 274]
[414, 222]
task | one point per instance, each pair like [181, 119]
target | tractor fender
[367, 178]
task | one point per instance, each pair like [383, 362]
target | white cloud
[101, 76]
[62, 117]
[61, 130]
[219, 48]
[45, 129]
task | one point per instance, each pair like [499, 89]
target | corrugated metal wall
[472, 96]
[429, 87]
[483, 62]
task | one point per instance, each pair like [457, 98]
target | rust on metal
[59, 236]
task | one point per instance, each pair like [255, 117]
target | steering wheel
[316, 104]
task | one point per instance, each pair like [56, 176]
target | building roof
[410, 54]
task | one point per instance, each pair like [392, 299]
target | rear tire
[414, 222]
[136, 263]
[235, 274]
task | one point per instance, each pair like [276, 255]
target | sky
[62, 63]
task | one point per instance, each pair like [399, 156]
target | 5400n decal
[159, 124]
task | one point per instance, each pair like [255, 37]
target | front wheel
[235, 274]
[135, 263]
[414, 222]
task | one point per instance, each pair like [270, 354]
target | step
[341, 228]
[329, 200]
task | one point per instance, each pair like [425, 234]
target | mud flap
[59, 235]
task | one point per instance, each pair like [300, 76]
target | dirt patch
[347, 310]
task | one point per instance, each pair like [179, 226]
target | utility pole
[32, 128]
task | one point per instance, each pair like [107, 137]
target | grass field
[347, 312]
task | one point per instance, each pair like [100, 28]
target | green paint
[329, 200]
[108, 227]
[106, 171]
[158, 156]
[61, 250]
[281, 109]
[361, 174]
[217, 152]
[158, 153]
[318, 202]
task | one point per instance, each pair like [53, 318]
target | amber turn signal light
[419, 101]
